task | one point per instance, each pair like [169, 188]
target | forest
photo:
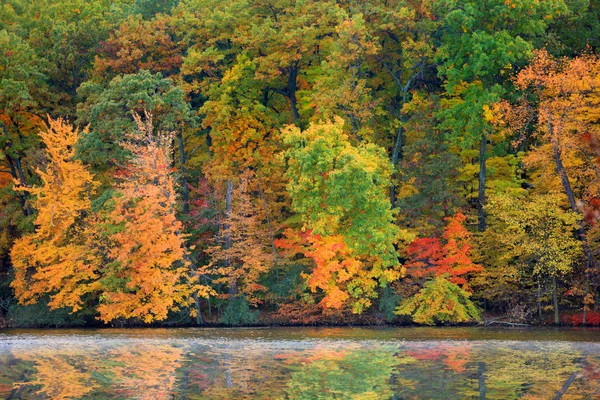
[299, 162]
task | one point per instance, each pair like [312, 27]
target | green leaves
[108, 109]
[339, 188]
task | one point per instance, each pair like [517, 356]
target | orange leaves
[336, 268]
[429, 256]
[149, 249]
[568, 99]
[241, 255]
[139, 44]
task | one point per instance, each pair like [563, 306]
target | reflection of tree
[58, 376]
[537, 371]
[496, 371]
[12, 370]
[587, 383]
[236, 373]
[144, 372]
[359, 374]
[435, 370]
[304, 370]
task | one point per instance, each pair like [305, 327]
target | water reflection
[283, 364]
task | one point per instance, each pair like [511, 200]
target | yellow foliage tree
[54, 259]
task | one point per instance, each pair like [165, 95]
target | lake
[301, 363]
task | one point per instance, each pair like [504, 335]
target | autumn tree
[339, 191]
[140, 45]
[440, 301]
[55, 260]
[448, 262]
[564, 96]
[242, 254]
[149, 273]
[428, 182]
[481, 42]
[539, 234]
[433, 257]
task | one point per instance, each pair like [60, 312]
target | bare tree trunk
[555, 300]
[564, 178]
[271, 233]
[482, 178]
[539, 298]
[199, 319]
[16, 171]
[228, 208]
[399, 141]
[291, 91]
[185, 196]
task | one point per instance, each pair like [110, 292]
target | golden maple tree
[54, 259]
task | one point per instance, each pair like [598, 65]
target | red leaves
[592, 318]
[432, 257]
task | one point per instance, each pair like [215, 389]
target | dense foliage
[299, 161]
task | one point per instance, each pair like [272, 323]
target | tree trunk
[199, 319]
[185, 196]
[291, 91]
[539, 299]
[564, 178]
[399, 142]
[272, 234]
[228, 208]
[555, 300]
[482, 177]
[16, 171]
[396, 157]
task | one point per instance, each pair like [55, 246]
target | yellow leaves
[55, 259]
[59, 378]
[492, 114]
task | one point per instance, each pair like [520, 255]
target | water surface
[301, 363]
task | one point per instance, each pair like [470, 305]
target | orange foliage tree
[55, 259]
[564, 98]
[149, 273]
[434, 257]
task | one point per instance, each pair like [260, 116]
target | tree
[148, 274]
[566, 94]
[539, 234]
[55, 259]
[440, 301]
[140, 45]
[339, 191]
[108, 110]
[241, 254]
[481, 42]
[428, 178]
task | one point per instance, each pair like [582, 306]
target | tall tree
[149, 273]
[55, 260]
[566, 94]
[480, 44]
[339, 190]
